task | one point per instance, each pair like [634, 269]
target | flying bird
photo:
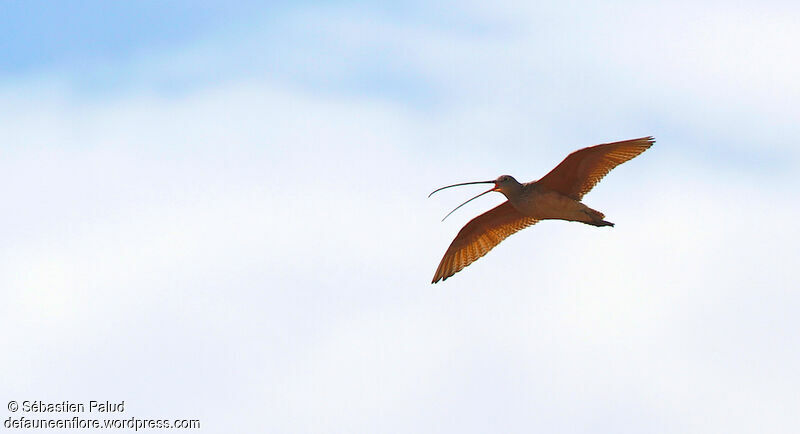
[556, 196]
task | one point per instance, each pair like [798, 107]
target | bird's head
[505, 184]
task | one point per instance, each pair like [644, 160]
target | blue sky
[219, 212]
[98, 45]
[45, 34]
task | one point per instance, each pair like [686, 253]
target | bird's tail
[597, 218]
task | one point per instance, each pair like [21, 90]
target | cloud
[257, 251]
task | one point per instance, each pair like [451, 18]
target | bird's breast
[544, 204]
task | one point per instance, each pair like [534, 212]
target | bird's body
[557, 196]
[539, 202]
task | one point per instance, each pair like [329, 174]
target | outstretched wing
[584, 168]
[479, 236]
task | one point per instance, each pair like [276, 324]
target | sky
[219, 212]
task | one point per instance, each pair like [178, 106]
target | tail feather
[597, 218]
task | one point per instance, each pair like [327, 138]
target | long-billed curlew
[556, 196]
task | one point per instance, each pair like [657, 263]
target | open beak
[470, 200]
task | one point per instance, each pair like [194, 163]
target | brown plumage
[557, 195]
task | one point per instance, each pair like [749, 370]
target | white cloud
[256, 251]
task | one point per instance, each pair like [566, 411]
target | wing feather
[584, 168]
[479, 236]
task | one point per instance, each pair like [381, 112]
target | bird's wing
[584, 168]
[479, 236]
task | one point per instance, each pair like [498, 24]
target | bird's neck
[513, 192]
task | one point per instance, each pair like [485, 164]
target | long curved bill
[463, 183]
[470, 200]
